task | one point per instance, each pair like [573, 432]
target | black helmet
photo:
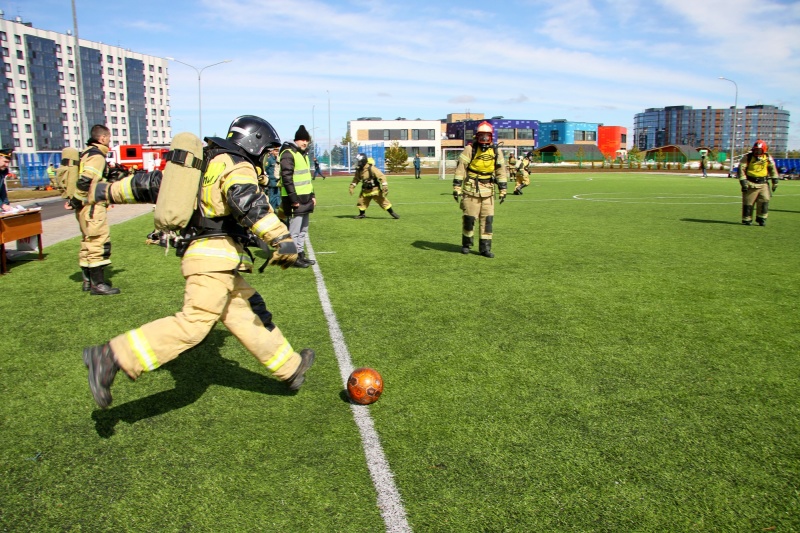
[254, 134]
[361, 160]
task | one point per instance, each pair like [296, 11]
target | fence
[33, 168]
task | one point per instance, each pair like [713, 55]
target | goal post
[448, 162]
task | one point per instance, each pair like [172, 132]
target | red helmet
[484, 134]
[761, 145]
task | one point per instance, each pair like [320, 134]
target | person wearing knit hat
[5, 161]
[297, 192]
[302, 134]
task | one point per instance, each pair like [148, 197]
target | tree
[337, 156]
[579, 154]
[396, 158]
[793, 154]
[634, 155]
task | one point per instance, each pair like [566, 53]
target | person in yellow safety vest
[755, 168]
[213, 256]
[522, 174]
[297, 192]
[480, 166]
[51, 174]
[373, 187]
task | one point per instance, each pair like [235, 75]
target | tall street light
[330, 148]
[735, 105]
[199, 93]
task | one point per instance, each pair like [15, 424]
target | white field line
[389, 501]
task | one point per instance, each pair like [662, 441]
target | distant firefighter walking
[373, 187]
[480, 166]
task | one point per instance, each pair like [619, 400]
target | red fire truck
[147, 157]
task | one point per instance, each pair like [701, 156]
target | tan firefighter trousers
[208, 297]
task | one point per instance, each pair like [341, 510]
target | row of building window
[401, 135]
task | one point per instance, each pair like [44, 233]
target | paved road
[59, 224]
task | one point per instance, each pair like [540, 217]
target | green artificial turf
[627, 362]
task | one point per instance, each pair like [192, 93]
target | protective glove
[744, 185]
[502, 196]
[774, 185]
[455, 196]
[385, 190]
[285, 253]
[352, 187]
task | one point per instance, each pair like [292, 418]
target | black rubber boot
[761, 221]
[99, 285]
[747, 215]
[306, 259]
[307, 356]
[485, 247]
[466, 244]
[361, 214]
[391, 212]
[87, 284]
[300, 263]
[103, 369]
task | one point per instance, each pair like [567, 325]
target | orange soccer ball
[364, 386]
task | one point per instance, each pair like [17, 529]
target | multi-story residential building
[127, 91]
[712, 128]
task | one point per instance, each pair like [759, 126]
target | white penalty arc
[389, 501]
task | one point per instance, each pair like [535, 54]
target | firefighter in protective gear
[373, 186]
[95, 251]
[480, 167]
[213, 256]
[522, 173]
[756, 168]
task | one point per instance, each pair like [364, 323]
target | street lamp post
[330, 166]
[199, 93]
[735, 105]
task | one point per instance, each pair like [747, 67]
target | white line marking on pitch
[389, 501]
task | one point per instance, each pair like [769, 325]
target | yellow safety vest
[758, 167]
[482, 164]
[301, 175]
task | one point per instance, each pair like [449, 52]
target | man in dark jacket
[297, 192]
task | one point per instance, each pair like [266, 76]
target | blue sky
[580, 60]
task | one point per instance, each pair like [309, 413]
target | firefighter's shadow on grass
[707, 221]
[438, 246]
[193, 371]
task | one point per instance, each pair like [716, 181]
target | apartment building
[713, 128]
[42, 109]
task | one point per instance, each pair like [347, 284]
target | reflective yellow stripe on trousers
[141, 348]
[281, 356]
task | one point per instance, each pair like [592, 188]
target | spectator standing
[704, 165]
[417, 167]
[297, 192]
[51, 175]
[273, 178]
